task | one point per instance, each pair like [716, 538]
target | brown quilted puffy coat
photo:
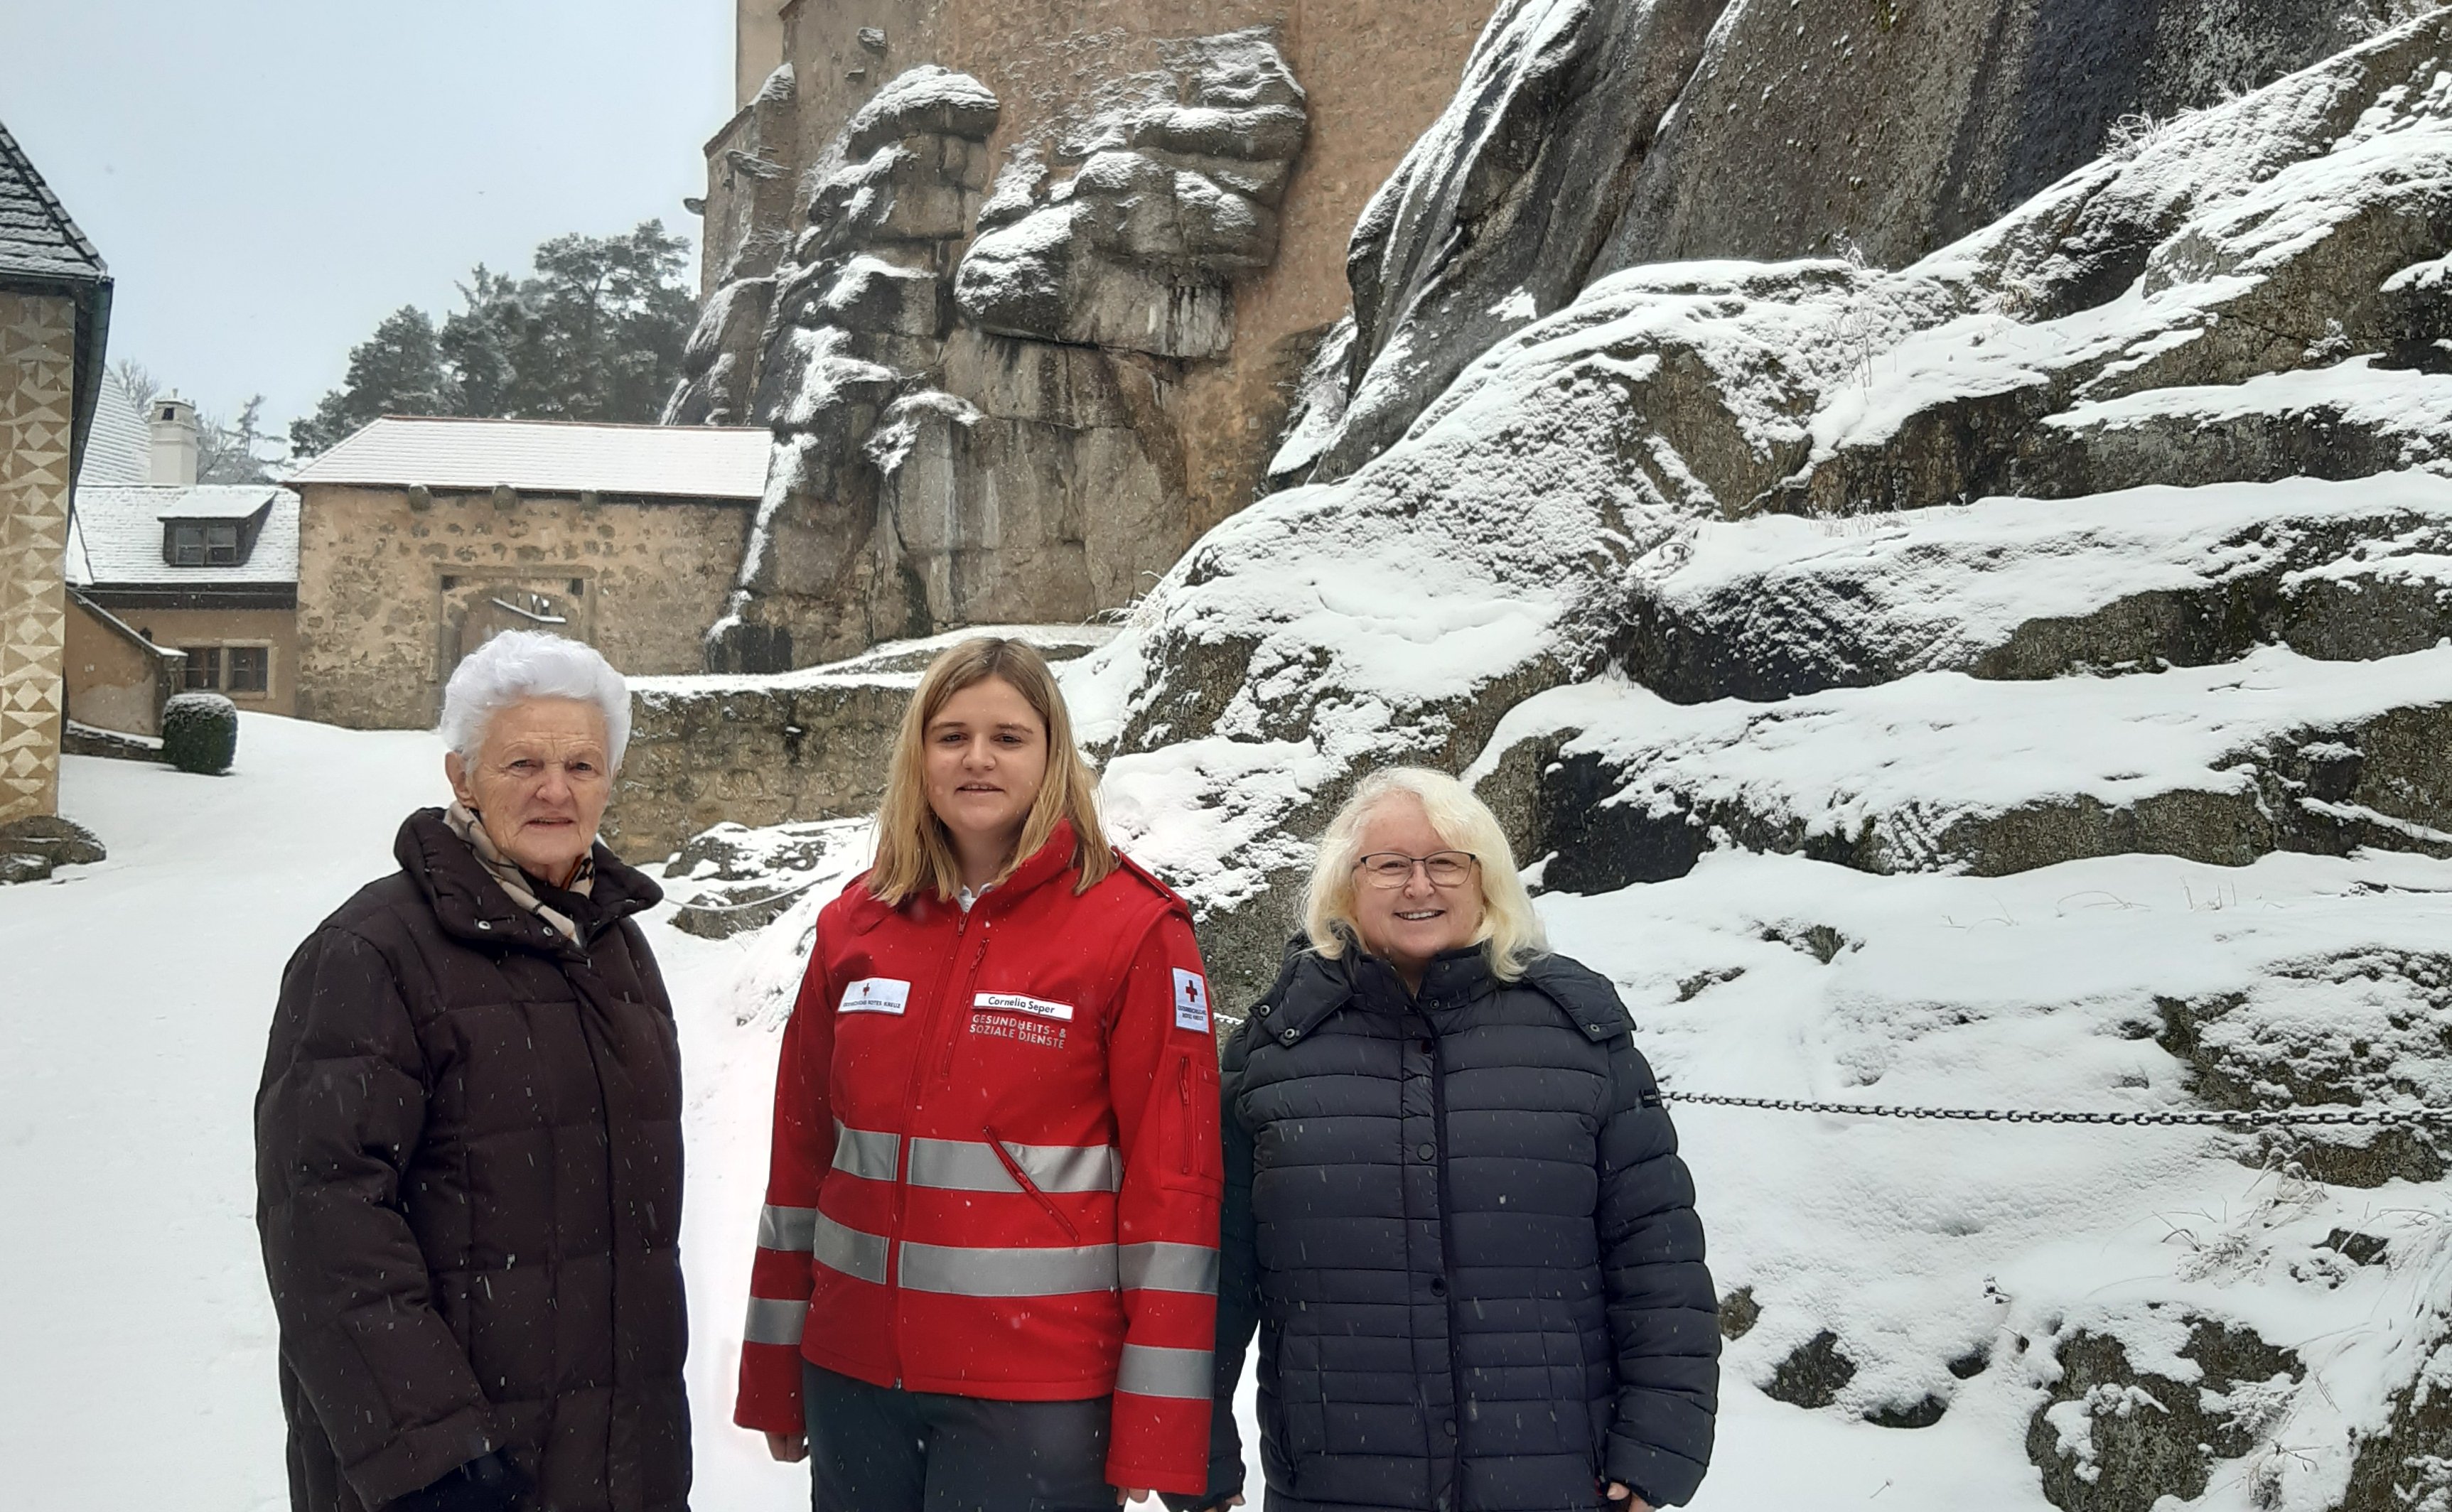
[468, 1177]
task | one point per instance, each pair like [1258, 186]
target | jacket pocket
[1191, 1158]
[1021, 1177]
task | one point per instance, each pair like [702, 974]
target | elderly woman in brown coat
[468, 1151]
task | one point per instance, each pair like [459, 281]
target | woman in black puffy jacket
[1454, 1209]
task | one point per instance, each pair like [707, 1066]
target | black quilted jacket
[1460, 1226]
[469, 1179]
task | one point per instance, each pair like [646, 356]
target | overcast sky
[269, 178]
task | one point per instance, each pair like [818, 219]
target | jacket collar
[1311, 987]
[1048, 863]
[472, 906]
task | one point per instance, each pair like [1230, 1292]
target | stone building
[54, 318]
[175, 586]
[1025, 288]
[420, 538]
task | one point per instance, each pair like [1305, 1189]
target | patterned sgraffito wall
[37, 384]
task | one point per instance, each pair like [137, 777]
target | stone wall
[390, 585]
[37, 386]
[116, 678]
[1204, 398]
[810, 745]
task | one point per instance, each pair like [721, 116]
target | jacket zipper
[1447, 1256]
[1183, 1130]
[970, 980]
[1021, 1178]
[902, 1155]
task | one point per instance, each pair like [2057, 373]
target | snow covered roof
[115, 540]
[668, 462]
[119, 448]
[37, 239]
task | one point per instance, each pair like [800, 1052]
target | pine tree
[397, 371]
[594, 333]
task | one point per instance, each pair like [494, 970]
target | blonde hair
[914, 853]
[1510, 932]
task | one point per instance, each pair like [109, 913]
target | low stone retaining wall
[769, 750]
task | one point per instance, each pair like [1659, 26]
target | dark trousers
[877, 1449]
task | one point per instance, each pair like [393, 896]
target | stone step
[2148, 577]
[1605, 783]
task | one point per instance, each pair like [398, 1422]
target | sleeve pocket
[1191, 1159]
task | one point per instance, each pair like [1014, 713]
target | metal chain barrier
[2226, 1118]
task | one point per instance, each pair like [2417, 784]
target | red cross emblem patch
[1190, 1001]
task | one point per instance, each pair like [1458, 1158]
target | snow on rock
[1971, 1272]
[2019, 588]
[1585, 139]
[928, 100]
[1942, 772]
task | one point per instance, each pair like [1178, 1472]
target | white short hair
[518, 665]
[1510, 932]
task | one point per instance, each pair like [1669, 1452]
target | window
[247, 669]
[205, 546]
[229, 669]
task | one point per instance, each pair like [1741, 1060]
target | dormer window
[208, 545]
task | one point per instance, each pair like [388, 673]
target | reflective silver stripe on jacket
[786, 1228]
[859, 1255]
[1168, 1267]
[956, 1164]
[1148, 1371]
[981, 1272]
[865, 1153]
[772, 1322]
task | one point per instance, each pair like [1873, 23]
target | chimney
[175, 442]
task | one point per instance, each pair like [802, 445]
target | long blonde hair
[914, 853]
[1510, 932]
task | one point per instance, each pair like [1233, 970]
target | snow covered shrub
[200, 733]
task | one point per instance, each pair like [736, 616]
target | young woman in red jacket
[987, 1270]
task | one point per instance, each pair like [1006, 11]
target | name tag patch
[1190, 1001]
[1017, 1003]
[875, 995]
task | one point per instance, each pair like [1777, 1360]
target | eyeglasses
[1394, 869]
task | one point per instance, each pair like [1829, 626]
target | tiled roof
[119, 449]
[115, 541]
[37, 239]
[664, 461]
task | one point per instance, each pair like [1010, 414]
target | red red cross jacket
[996, 1162]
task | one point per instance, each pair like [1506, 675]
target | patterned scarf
[514, 881]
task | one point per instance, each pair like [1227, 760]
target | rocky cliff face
[2016, 679]
[1588, 139]
[971, 390]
